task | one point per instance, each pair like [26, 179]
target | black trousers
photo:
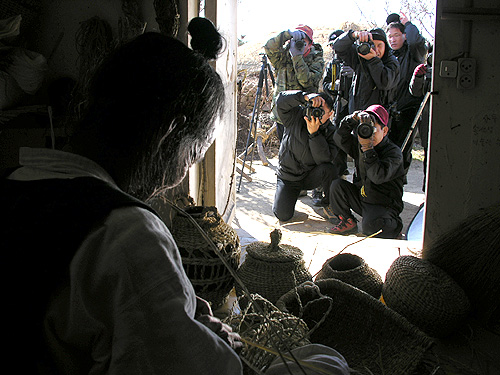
[345, 196]
[287, 192]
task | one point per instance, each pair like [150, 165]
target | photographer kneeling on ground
[377, 189]
[307, 149]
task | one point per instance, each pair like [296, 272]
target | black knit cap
[379, 34]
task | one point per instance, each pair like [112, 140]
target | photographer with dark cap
[376, 70]
[410, 49]
[376, 192]
[298, 63]
[307, 148]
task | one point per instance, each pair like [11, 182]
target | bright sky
[258, 18]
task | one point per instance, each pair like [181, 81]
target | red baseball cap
[307, 30]
[379, 112]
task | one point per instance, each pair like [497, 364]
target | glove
[294, 50]
[420, 70]
[296, 34]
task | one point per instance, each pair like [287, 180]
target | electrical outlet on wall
[466, 77]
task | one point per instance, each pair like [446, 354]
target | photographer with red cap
[376, 192]
[298, 63]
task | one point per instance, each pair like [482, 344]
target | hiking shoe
[330, 215]
[317, 198]
[346, 226]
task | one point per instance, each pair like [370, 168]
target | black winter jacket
[374, 81]
[379, 172]
[300, 151]
[410, 55]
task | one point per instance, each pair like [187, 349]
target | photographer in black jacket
[307, 149]
[410, 48]
[376, 69]
[377, 189]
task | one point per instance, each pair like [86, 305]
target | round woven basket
[272, 269]
[361, 328]
[211, 279]
[353, 270]
[263, 325]
[425, 295]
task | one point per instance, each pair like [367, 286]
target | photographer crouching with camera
[307, 149]
[376, 192]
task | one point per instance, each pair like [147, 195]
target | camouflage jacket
[293, 73]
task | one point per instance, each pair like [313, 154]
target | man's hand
[222, 330]
[314, 123]
[420, 70]
[355, 115]
[364, 37]
[294, 50]
[403, 19]
[366, 143]
[297, 34]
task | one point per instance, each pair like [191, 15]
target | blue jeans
[287, 192]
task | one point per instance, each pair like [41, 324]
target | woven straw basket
[211, 279]
[425, 295]
[263, 324]
[353, 270]
[366, 332]
[272, 269]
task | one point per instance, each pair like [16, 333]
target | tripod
[415, 120]
[265, 68]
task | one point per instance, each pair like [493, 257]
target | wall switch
[448, 69]
[466, 77]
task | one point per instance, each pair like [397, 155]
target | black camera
[364, 48]
[300, 44]
[366, 127]
[311, 111]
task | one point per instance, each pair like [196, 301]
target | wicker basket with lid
[211, 279]
[272, 269]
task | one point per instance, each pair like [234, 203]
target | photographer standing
[307, 149]
[298, 64]
[376, 70]
[377, 189]
[410, 49]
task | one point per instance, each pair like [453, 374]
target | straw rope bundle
[425, 295]
[470, 254]
[353, 270]
[272, 269]
[266, 330]
[367, 333]
[209, 275]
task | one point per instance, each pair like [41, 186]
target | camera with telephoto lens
[364, 48]
[311, 111]
[366, 127]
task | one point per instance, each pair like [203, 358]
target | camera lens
[299, 44]
[364, 130]
[364, 48]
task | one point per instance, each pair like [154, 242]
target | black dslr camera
[364, 48]
[366, 126]
[311, 111]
